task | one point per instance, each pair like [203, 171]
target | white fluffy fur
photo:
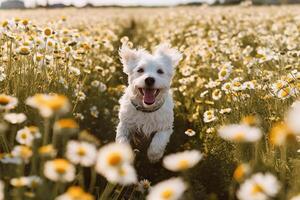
[161, 121]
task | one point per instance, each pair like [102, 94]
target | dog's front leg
[158, 144]
[122, 133]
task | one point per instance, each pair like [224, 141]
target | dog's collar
[147, 110]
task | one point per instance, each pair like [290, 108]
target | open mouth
[149, 95]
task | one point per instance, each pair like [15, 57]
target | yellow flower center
[279, 86]
[249, 120]
[285, 93]
[39, 58]
[50, 44]
[67, 123]
[5, 23]
[54, 102]
[75, 191]
[25, 22]
[183, 164]
[4, 100]
[223, 73]
[257, 189]
[33, 129]
[237, 84]
[25, 152]
[47, 31]
[239, 136]
[48, 149]
[81, 151]
[23, 135]
[24, 50]
[167, 193]
[239, 173]
[61, 166]
[114, 159]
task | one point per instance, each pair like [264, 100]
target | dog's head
[149, 75]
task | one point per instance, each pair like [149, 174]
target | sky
[80, 3]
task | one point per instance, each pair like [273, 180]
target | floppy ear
[170, 55]
[129, 58]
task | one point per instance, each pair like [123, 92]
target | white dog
[147, 106]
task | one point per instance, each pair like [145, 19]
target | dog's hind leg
[123, 134]
[158, 144]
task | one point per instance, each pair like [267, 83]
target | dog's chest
[147, 123]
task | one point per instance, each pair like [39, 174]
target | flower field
[237, 112]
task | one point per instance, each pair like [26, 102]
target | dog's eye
[140, 70]
[160, 71]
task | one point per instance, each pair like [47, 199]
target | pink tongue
[149, 96]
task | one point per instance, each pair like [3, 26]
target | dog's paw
[154, 155]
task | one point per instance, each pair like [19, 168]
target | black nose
[149, 81]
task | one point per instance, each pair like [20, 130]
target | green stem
[81, 177]
[119, 193]
[107, 191]
[255, 153]
[93, 180]
[56, 189]
[4, 143]
[13, 135]
[283, 158]
[46, 131]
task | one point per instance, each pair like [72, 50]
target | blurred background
[22, 4]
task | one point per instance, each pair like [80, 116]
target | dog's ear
[171, 55]
[129, 58]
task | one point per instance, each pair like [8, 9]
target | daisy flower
[25, 137]
[15, 118]
[217, 94]
[241, 171]
[171, 189]
[280, 134]
[7, 102]
[279, 85]
[24, 50]
[47, 151]
[124, 174]
[182, 161]
[48, 104]
[190, 132]
[34, 131]
[249, 85]
[297, 197]
[22, 152]
[82, 153]
[65, 124]
[59, 170]
[143, 185]
[259, 187]
[250, 120]
[227, 87]
[209, 116]
[292, 119]
[240, 133]
[114, 162]
[224, 73]
[225, 111]
[237, 85]
[113, 155]
[19, 182]
[75, 193]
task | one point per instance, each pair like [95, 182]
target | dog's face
[149, 75]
